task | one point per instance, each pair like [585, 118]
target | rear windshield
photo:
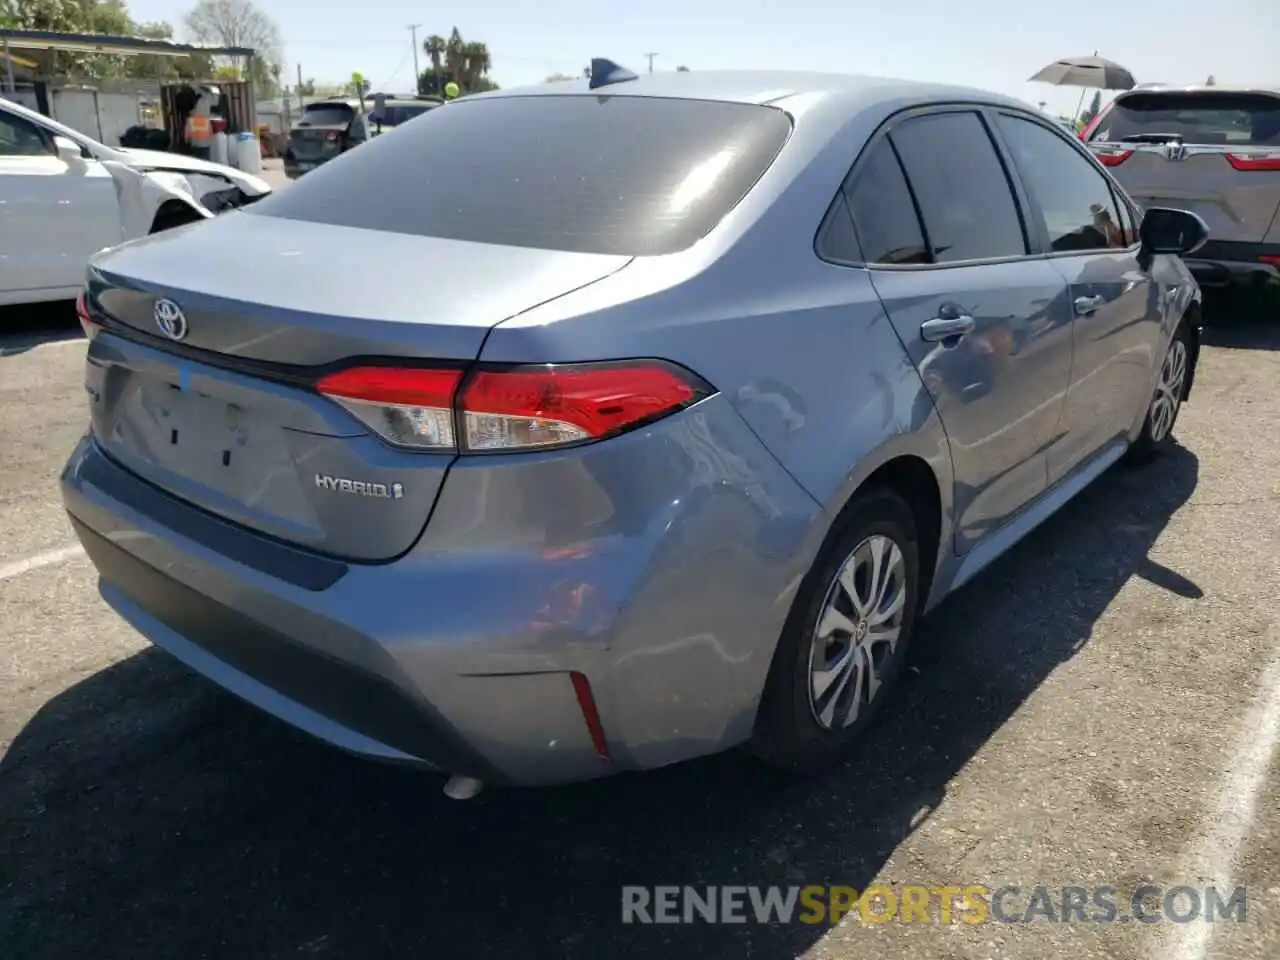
[1243, 119]
[327, 114]
[394, 114]
[626, 175]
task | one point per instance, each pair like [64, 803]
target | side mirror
[69, 151]
[1164, 230]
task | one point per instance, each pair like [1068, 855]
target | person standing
[198, 130]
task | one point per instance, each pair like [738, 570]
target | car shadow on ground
[146, 814]
[25, 327]
[1242, 335]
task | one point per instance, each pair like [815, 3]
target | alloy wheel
[857, 632]
[1173, 374]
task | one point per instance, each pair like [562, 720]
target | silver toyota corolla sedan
[600, 425]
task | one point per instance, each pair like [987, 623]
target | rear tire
[844, 644]
[1166, 401]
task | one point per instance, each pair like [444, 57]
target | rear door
[1089, 233]
[1216, 153]
[980, 311]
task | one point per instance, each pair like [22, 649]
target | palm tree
[434, 48]
[478, 62]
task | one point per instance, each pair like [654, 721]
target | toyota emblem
[170, 319]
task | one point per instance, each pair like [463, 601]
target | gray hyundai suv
[1215, 151]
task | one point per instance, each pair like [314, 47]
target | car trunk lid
[226, 416]
[1214, 153]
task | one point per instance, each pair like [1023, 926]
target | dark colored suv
[1212, 150]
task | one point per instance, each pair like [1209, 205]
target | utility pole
[651, 56]
[413, 32]
[300, 101]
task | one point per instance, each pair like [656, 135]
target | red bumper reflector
[587, 704]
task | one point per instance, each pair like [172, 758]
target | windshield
[622, 175]
[394, 114]
[1237, 119]
[327, 114]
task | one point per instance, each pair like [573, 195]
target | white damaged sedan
[64, 197]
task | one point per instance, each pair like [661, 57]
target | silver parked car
[686, 395]
[1215, 151]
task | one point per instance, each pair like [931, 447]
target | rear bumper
[295, 167]
[666, 587]
[1224, 267]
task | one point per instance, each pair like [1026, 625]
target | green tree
[465, 63]
[89, 16]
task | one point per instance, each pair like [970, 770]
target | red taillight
[549, 406]
[86, 322]
[1272, 259]
[1111, 156]
[519, 408]
[408, 407]
[1244, 161]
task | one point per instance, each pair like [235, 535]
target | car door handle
[1086, 305]
[944, 328]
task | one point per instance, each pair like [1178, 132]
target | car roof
[1194, 88]
[762, 87]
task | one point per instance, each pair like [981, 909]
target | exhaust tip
[462, 788]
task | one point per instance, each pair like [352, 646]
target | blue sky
[995, 44]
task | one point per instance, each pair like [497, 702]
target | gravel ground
[1099, 708]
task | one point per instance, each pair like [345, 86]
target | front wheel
[1166, 401]
[845, 642]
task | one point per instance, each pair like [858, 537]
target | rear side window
[961, 186]
[883, 213]
[328, 114]
[637, 176]
[1079, 209]
[1236, 119]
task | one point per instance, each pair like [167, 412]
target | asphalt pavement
[1100, 708]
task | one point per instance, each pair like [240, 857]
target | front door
[984, 320]
[1089, 231]
[55, 215]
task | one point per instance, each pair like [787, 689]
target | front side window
[20, 137]
[1075, 200]
[961, 187]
